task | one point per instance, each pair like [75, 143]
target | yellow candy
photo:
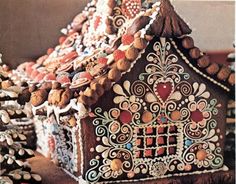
[116, 164]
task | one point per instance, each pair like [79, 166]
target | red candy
[50, 77]
[197, 116]
[86, 75]
[127, 39]
[125, 117]
[63, 79]
[102, 61]
[69, 57]
[164, 90]
[118, 54]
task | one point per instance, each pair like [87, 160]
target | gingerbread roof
[95, 74]
[159, 21]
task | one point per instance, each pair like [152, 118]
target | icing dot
[186, 100]
[129, 146]
[187, 167]
[98, 139]
[97, 157]
[130, 174]
[91, 149]
[218, 130]
[191, 98]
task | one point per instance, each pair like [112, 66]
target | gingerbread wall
[161, 118]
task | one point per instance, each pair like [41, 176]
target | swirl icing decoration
[161, 124]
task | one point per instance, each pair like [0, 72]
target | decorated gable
[161, 119]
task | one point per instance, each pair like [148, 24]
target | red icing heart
[163, 90]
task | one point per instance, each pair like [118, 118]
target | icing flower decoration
[199, 113]
[162, 119]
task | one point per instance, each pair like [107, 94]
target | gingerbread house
[133, 101]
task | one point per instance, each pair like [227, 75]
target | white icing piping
[143, 32]
[195, 69]
[224, 168]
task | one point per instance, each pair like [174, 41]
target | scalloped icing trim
[197, 70]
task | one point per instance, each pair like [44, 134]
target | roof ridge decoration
[167, 22]
[161, 21]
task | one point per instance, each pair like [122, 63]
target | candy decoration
[163, 90]
[102, 61]
[40, 77]
[49, 51]
[130, 174]
[197, 116]
[97, 22]
[62, 39]
[125, 117]
[187, 167]
[50, 77]
[127, 39]
[147, 117]
[175, 115]
[70, 56]
[116, 165]
[118, 54]
[201, 155]
[63, 79]
[130, 8]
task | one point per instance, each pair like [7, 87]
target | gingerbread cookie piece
[38, 97]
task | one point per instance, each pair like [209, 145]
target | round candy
[175, 115]
[201, 155]
[197, 116]
[102, 61]
[147, 117]
[116, 164]
[125, 117]
[127, 39]
[187, 167]
[118, 54]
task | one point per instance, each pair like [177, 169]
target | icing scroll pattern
[161, 123]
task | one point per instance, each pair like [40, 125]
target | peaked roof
[97, 73]
[160, 21]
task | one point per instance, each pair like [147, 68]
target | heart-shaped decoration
[163, 90]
